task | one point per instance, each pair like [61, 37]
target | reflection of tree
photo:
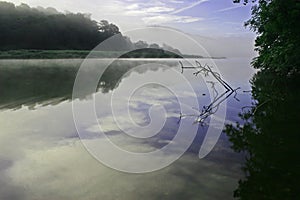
[51, 82]
[218, 99]
[35, 84]
[269, 136]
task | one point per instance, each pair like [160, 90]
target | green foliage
[151, 53]
[269, 131]
[25, 31]
[23, 27]
[43, 54]
[56, 54]
[276, 23]
[61, 54]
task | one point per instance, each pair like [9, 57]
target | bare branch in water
[218, 99]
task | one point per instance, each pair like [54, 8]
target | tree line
[24, 27]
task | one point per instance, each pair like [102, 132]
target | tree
[268, 131]
[108, 29]
[169, 48]
[23, 27]
[278, 34]
[154, 46]
[141, 44]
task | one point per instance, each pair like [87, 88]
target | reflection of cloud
[107, 123]
[69, 172]
[42, 158]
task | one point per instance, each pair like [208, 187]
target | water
[42, 157]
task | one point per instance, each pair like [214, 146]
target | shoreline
[83, 54]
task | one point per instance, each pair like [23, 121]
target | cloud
[176, 1]
[159, 9]
[157, 12]
[162, 19]
[123, 13]
[229, 8]
[135, 10]
[188, 7]
[132, 6]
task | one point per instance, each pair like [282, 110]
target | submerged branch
[218, 99]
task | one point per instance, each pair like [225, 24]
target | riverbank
[65, 54]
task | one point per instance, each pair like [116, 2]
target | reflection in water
[269, 135]
[41, 156]
[217, 99]
[51, 81]
[28, 83]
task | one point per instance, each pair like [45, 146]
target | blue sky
[216, 24]
[204, 17]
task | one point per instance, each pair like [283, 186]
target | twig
[213, 107]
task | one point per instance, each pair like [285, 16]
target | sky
[193, 16]
[220, 20]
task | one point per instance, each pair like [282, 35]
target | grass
[49, 54]
[64, 54]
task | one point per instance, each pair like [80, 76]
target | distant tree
[23, 7]
[141, 44]
[154, 46]
[169, 48]
[128, 45]
[107, 28]
[23, 27]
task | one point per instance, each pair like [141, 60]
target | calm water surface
[42, 157]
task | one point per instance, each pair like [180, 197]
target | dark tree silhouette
[278, 34]
[23, 27]
[269, 133]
